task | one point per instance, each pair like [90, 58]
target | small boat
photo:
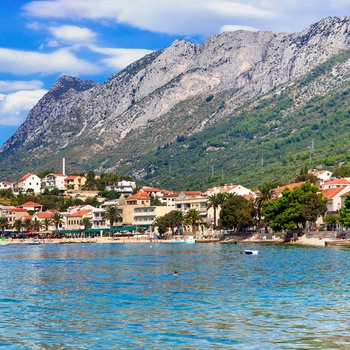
[34, 242]
[251, 252]
[208, 240]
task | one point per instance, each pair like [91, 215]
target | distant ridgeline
[243, 108]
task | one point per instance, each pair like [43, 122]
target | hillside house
[52, 181]
[28, 182]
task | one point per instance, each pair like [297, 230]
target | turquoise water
[115, 296]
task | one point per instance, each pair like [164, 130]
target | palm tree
[37, 225]
[178, 220]
[214, 201]
[193, 217]
[57, 220]
[266, 193]
[3, 224]
[86, 222]
[46, 223]
[112, 214]
[18, 224]
[27, 224]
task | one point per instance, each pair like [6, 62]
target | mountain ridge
[180, 90]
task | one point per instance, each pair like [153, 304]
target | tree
[265, 193]
[236, 213]
[86, 222]
[344, 212]
[112, 214]
[3, 223]
[37, 225]
[214, 201]
[161, 223]
[18, 224]
[193, 218]
[331, 220]
[46, 223]
[27, 224]
[295, 208]
[156, 201]
[57, 220]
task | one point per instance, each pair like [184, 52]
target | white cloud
[28, 62]
[229, 28]
[7, 86]
[119, 58]
[15, 107]
[73, 34]
[195, 17]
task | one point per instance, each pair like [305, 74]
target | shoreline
[303, 240]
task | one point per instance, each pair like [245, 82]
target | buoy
[150, 246]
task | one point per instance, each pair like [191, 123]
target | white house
[27, 182]
[5, 185]
[236, 189]
[334, 196]
[52, 181]
[336, 183]
[124, 187]
[323, 175]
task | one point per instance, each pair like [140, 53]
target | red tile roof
[332, 192]
[342, 181]
[30, 204]
[150, 189]
[44, 215]
[140, 195]
[290, 186]
[18, 210]
[192, 193]
[25, 177]
[80, 213]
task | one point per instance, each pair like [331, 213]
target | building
[124, 187]
[334, 196]
[75, 219]
[31, 206]
[5, 185]
[28, 182]
[98, 218]
[74, 182]
[52, 181]
[42, 216]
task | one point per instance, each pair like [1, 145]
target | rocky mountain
[174, 94]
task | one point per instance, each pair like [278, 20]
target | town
[149, 212]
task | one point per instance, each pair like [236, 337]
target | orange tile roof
[341, 181]
[30, 204]
[44, 215]
[332, 192]
[25, 177]
[192, 193]
[140, 195]
[290, 186]
[18, 210]
[80, 213]
[150, 189]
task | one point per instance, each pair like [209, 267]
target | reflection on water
[126, 297]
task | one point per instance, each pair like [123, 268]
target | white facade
[52, 181]
[28, 182]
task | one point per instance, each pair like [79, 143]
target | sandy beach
[316, 241]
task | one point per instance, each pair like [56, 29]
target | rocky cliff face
[82, 119]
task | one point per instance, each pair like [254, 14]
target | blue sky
[89, 39]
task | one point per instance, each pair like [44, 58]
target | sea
[126, 296]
